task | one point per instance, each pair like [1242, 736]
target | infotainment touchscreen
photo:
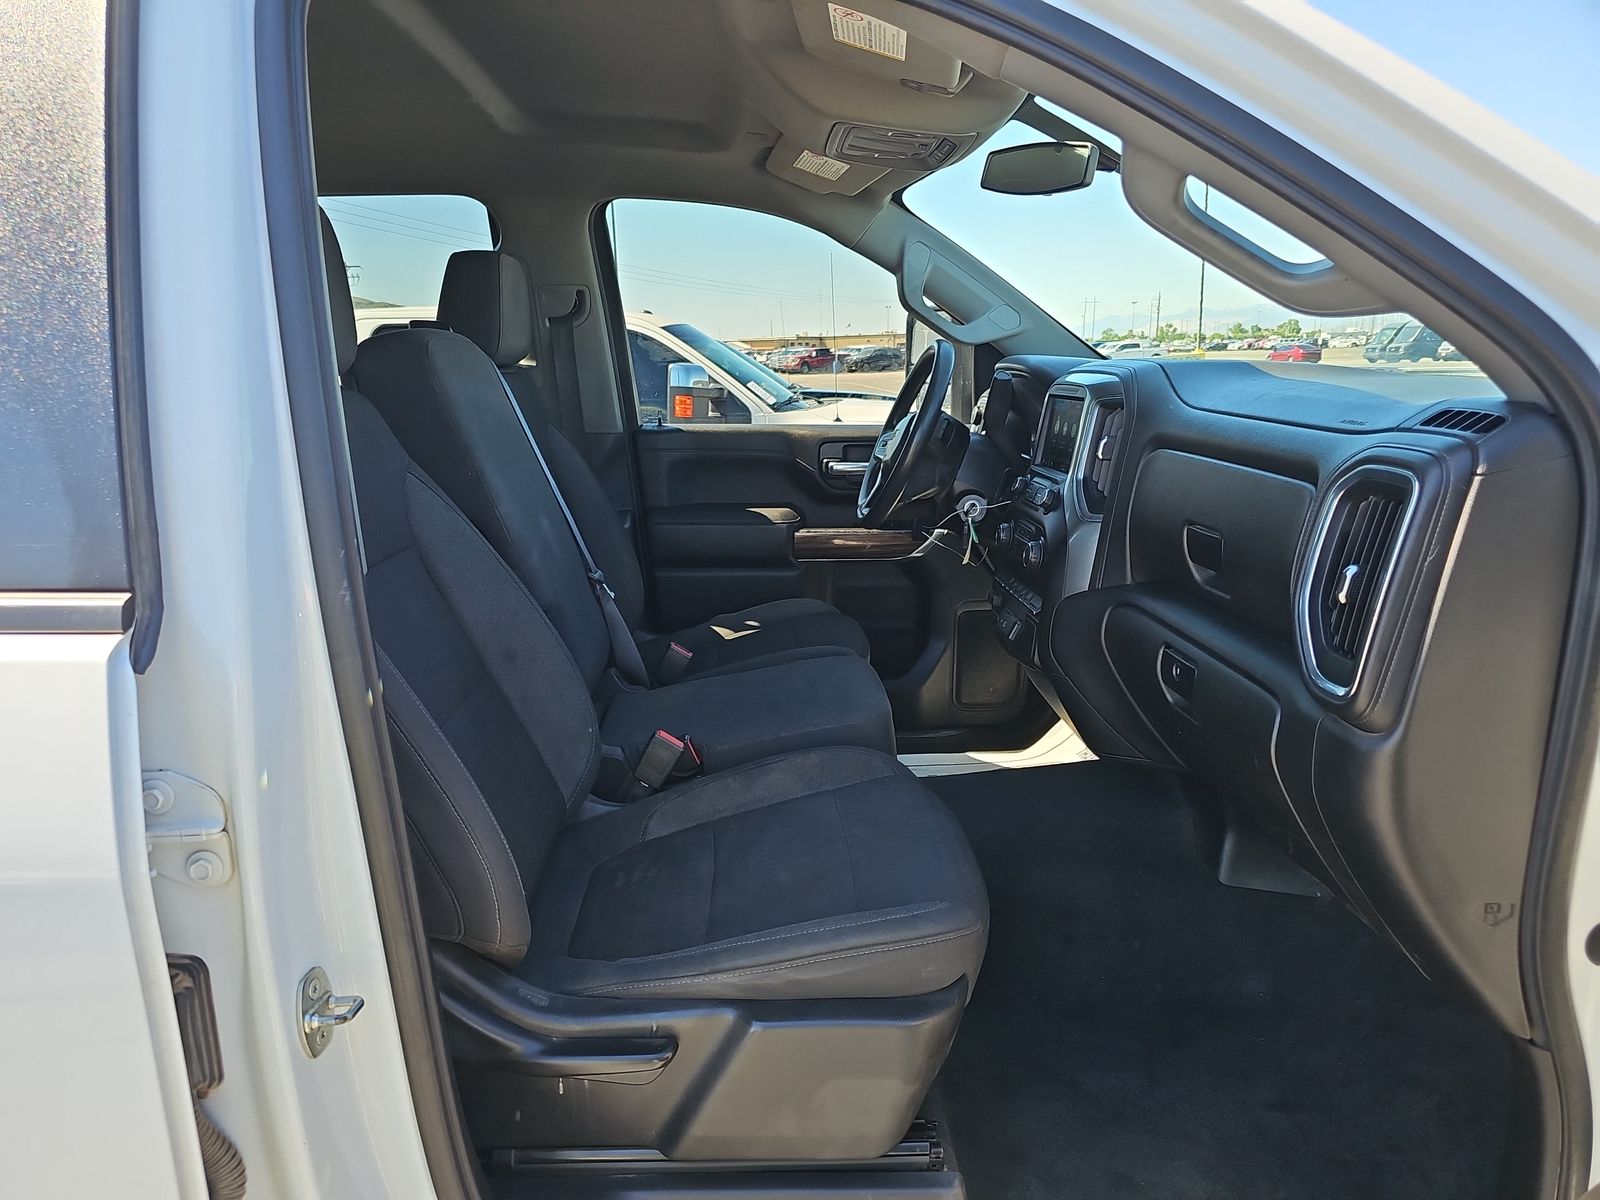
[1058, 433]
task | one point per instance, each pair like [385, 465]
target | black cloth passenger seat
[487, 297]
[826, 873]
[447, 403]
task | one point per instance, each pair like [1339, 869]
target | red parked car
[803, 360]
[1295, 352]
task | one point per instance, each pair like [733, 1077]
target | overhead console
[1334, 598]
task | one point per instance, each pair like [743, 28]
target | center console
[1044, 541]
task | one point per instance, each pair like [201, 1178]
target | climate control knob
[1033, 553]
[1002, 535]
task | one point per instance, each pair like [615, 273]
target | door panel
[724, 510]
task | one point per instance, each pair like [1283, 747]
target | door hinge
[321, 1012]
[186, 830]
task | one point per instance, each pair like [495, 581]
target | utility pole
[1135, 330]
[1155, 326]
[1200, 315]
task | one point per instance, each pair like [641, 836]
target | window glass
[741, 317]
[1091, 262]
[395, 250]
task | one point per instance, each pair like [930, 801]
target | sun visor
[816, 171]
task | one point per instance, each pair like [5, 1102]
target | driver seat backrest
[486, 297]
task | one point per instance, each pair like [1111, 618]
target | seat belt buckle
[673, 663]
[666, 757]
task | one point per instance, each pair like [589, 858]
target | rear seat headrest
[339, 303]
[486, 296]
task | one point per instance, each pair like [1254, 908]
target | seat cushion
[738, 717]
[825, 873]
[782, 631]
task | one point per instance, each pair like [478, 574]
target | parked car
[1295, 352]
[805, 360]
[877, 358]
[683, 375]
[1214, 346]
[1375, 345]
[1130, 348]
[1181, 347]
[1413, 342]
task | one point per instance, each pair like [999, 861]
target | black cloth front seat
[446, 402]
[826, 873]
[486, 297]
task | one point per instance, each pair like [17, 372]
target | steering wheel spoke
[905, 448]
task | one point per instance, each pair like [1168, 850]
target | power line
[363, 223]
[341, 202]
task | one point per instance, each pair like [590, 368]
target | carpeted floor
[1141, 1030]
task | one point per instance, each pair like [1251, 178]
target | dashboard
[1331, 598]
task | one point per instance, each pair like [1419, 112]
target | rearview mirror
[1040, 168]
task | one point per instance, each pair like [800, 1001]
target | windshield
[1093, 264]
[741, 366]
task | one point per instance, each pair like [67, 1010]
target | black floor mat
[1141, 1030]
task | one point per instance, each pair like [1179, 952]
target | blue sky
[1083, 254]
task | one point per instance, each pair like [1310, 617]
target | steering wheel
[903, 454]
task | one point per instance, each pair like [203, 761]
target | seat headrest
[339, 303]
[486, 297]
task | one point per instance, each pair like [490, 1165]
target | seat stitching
[460, 820]
[849, 854]
[778, 937]
[799, 962]
[450, 891]
[676, 795]
[711, 891]
[520, 586]
[427, 716]
[769, 737]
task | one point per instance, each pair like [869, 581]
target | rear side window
[395, 250]
[61, 518]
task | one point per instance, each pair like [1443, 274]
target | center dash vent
[1463, 420]
[1100, 457]
[1351, 566]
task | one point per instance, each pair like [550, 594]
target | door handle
[838, 468]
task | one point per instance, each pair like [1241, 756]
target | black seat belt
[564, 352]
[625, 654]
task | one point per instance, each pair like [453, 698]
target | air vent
[1463, 420]
[1105, 432]
[1351, 565]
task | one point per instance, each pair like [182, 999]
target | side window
[395, 250]
[736, 317]
[650, 360]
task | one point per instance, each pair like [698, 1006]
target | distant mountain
[363, 302]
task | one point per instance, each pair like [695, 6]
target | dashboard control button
[1033, 553]
[1002, 535]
